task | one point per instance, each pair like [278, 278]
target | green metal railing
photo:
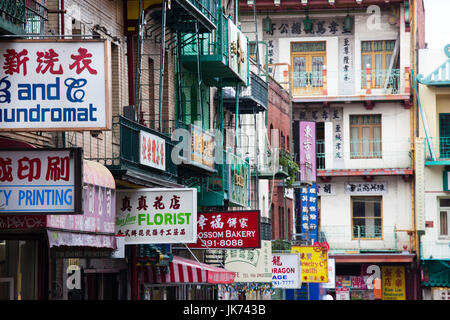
[119, 148]
[440, 147]
[389, 80]
[23, 17]
[214, 43]
[208, 7]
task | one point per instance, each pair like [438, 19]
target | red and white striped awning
[183, 270]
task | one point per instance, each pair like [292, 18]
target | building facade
[347, 67]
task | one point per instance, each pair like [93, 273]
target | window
[366, 217]
[307, 61]
[365, 136]
[444, 209]
[377, 55]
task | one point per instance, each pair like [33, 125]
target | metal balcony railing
[119, 147]
[355, 82]
[23, 17]
[437, 150]
[390, 152]
[208, 8]
[361, 238]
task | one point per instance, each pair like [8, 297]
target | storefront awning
[97, 174]
[182, 270]
[75, 239]
[372, 258]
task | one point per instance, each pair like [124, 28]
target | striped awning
[97, 174]
[182, 270]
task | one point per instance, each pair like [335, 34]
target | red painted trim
[363, 172]
[372, 258]
[316, 4]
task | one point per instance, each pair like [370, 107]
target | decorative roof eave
[440, 76]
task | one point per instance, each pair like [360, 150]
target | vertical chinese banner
[307, 151]
[308, 213]
[393, 282]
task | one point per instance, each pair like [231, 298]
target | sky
[437, 23]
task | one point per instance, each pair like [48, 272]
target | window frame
[360, 154]
[384, 52]
[380, 218]
[443, 209]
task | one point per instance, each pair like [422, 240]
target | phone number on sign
[223, 243]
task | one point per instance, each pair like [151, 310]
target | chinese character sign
[366, 188]
[228, 229]
[54, 85]
[314, 262]
[308, 213]
[250, 265]
[157, 215]
[393, 282]
[307, 151]
[40, 181]
[286, 270]
[152, 151]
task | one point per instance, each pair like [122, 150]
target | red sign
[227, 229]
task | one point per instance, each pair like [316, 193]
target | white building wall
[433, 245]
[336, 215]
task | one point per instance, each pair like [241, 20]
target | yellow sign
[314, 262]
[393, 282]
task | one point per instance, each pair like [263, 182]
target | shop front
[56, 220]
[183, 279]
[436, 279]
[374, 277]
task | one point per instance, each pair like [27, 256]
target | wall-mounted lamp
[307, 23]
[267, 24]
[348, 22]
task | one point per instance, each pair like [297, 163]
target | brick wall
[279, 118]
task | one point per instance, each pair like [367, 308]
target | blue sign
[308, 213]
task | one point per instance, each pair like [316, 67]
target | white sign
[331, 284]
[54, 85]
[251, 265]
[342, 293]
[366, 187]
[326, 189]
[38, 181]
[237, 51]
[286, 270]
[157, 215]
[152, 150]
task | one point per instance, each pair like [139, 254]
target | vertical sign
[308, 213]
[331, 284]
[307, 151]
[393, 282]
[152, 150]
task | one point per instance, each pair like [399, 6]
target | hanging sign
[54, 85]
[251, 265]
[45, 181]
[152, 151]
[146, 216]
[307, 151]
[314, 263]
[286, 270]
[228, 229]
[308, 213]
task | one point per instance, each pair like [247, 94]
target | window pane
[354, 143]
[299, 72]
[378, 46]
[359, 209]
[444, 202]
[377, 141]
[390, 44]
[443, 223]
[366, 46]
[366, 141]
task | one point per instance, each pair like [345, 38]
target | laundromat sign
[41, 181]
[54, 85]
